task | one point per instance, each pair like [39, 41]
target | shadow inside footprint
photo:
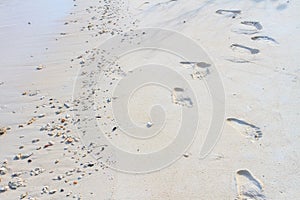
[251, 50]
[257, 25]
[267, 38]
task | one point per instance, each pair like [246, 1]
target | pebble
[40, 67]
[52, 191]
[2, 131]
[36, 171]
[59, 178]
[35, 140]
[31, 121]
[3, 188]
[22, 157]
[69, 140]
[16, 174]
[3, 170]
[22, 196]
[50, 143]
[15, 183]
[67, 105]
[149, 124]
[41, 115]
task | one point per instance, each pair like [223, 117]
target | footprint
[266, 38]
[180, 97]
[238, 60]
[248, 187]
[257, 25]
[245, 31]
[242, 47]
[229, 13]
[247, 28]
[251, 131]
[200, 69]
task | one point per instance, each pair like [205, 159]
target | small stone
[67, 105]
[3, 131]
[52, 191]
[45, 190]
[15, 183]
[22, 157]
[69, 140]
[186, 155]
[3, 188]
[16, 174]
[60, 177]
[3, 170]
[36, 171]
[40, 67]
[22, 196]
[149, 124]
[69, 194]
[50, 143]
[31, 121]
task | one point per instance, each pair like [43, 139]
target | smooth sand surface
[48, 55]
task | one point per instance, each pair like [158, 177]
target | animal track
[248, 187]
[246, 128]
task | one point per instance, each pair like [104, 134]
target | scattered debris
[36, 171]
[52, 191]
[3, 170]
[22, 157]
[16, 183]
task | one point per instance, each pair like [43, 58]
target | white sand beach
[131, 100]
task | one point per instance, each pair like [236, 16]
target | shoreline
[42, 157]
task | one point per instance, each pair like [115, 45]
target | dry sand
[46, 53]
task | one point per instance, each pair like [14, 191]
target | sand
[149, 100]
